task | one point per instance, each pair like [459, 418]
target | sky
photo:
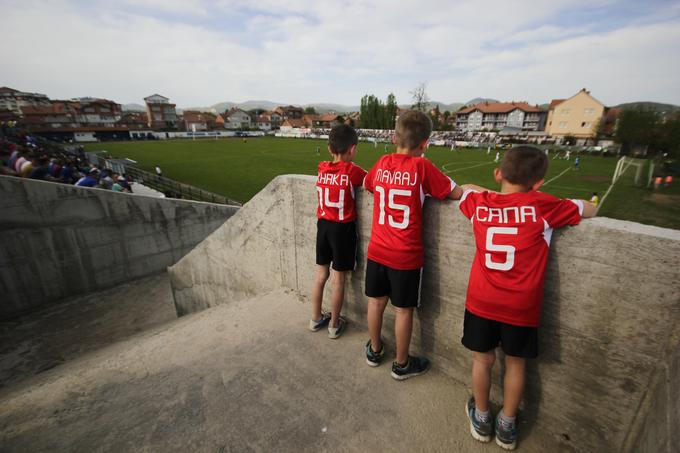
[198, 53]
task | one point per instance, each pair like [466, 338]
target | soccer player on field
[400, 182]
[512, 232]
[336, 234]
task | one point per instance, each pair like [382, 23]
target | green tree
[310, 110]
[377, 115]
[638, 127]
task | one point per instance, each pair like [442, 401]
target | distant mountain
[133, 108]
[657, 106]
[338, 108]
[269, 105]
[319, 107]
[478, 100]
[442, 107]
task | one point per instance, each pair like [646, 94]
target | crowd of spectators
[443, 138]
[28, 156]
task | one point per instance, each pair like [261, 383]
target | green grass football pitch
[239, 170]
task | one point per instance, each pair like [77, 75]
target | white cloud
[199, 53]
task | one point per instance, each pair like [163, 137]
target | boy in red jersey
[336, 234]
[399, 183]
[512, 232]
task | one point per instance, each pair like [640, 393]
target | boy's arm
[476, 188]
[589, 209]
[456, 193]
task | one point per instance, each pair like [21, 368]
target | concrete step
[245, 376]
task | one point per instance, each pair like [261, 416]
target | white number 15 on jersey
[393, 205]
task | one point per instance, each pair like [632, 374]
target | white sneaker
[315, 326]
[335, 332]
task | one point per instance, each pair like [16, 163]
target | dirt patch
[595, 178]
[664, 199]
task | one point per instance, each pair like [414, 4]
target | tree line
[376, 114]
[646, 127]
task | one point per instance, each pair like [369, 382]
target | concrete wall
[58, 240]
[610, 319]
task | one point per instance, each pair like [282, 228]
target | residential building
[495, 116]
[326, 121]
[263, 122]
[294, 124]
[578, 116]
[160, 113]
[57, 114]
[133, 121]
[235, 118]
[275, 118]
[290, 112]
[13, 100]
[97, 112]
[198, 121]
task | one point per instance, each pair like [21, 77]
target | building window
[565, 111]
[563, 125]
[586, 125]
[588, 112]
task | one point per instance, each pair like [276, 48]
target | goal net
[632, 171]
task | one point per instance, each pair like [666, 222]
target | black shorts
[402, 287]
[483, 335]
[336, 243]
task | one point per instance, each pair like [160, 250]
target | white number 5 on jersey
[508, 249]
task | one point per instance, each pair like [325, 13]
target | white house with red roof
[495, 116]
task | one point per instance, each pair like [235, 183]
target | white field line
[552, 179]
[599, 206]
[467, 168]
[446, 165]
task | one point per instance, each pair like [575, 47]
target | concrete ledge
[611, 301]
[58, 241]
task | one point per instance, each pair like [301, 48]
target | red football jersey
[512, 237]
[335, 185]
[399, 184]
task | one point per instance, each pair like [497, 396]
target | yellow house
[578, 116]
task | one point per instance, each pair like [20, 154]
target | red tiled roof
[293, 122]
[328, 117]
[555, 102]
[192, 116]
[499, 107]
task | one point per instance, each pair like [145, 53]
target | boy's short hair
[524, 165]
[342, 138]
[412, 128]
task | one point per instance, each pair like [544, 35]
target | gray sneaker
[506, 435]
[415, 366]
[315, 326]
[481, 431]
[335, 332]
[374, 358]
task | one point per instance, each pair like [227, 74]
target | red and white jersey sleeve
[400, 184]
[335, 184]
[512, 238]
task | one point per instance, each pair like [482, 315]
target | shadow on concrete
[38, 342]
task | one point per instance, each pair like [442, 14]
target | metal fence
[167, 186]
[174, 189]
